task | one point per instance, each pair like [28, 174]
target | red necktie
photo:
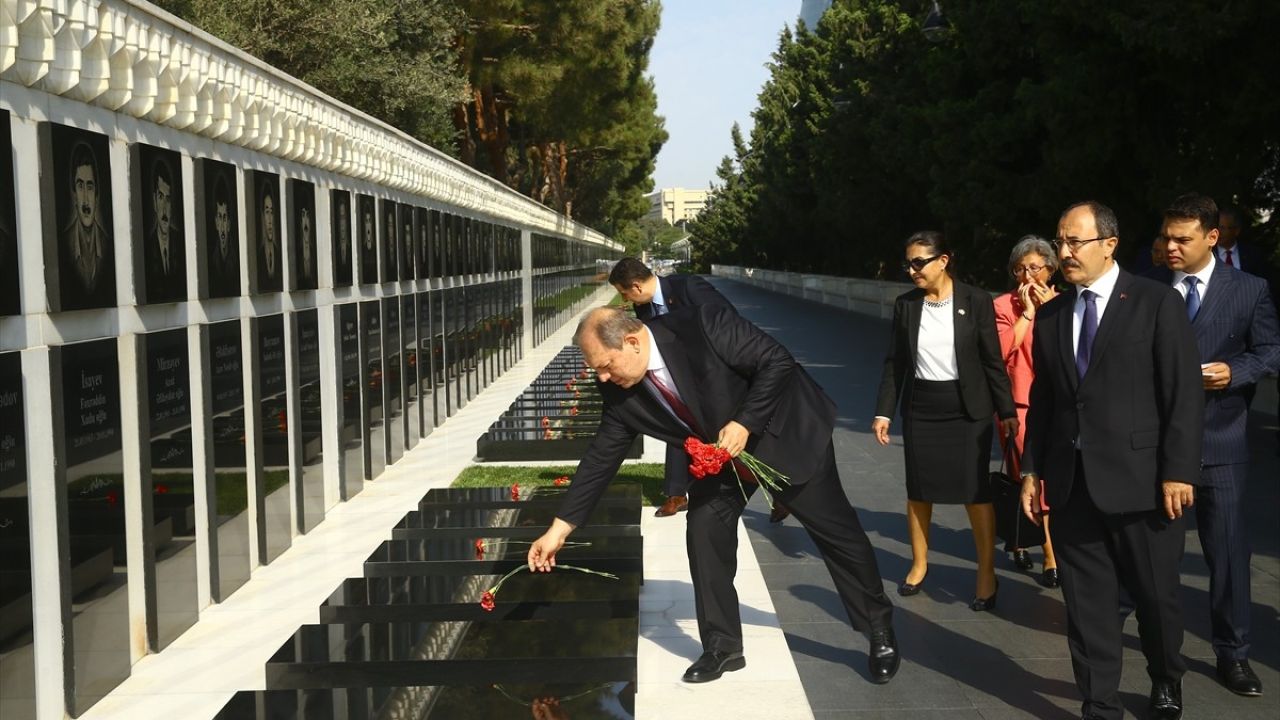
[677, 405]
[1228, 259]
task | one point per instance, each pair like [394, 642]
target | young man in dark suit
[711, 374]
[1238, 336]
[652, 296]
[1115, 425]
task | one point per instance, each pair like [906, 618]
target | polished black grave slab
[413, 639]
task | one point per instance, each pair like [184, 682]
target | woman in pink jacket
[1032, 263]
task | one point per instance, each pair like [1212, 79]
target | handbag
[1006, 496]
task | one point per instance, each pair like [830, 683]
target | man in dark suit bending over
[1114, 429]
[1236, 331]
[652, 296]
[711, 374]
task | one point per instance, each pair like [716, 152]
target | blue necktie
[1088, 329]
[1193, 295]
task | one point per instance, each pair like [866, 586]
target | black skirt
[947, 454]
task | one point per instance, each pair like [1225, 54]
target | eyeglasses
[1028, 269]
[918, 264]
[1075, 245]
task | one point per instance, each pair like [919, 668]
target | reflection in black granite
[371, 381]
[229, 544]
[170, 489]
[274, 530]
[350, 434]
[87, 382]
[308, 448]
[393, 379]
[17, 653]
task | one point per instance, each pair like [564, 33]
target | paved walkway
[1012, 663]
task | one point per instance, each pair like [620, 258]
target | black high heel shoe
[987, 603]
[1022, 559]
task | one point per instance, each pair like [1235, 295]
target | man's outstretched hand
[542, 554]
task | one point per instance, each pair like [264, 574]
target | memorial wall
[227, 302]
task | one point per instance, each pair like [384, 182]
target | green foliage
[561, 107]
[393, 59]
[648, 234]
[866, 131]
[649, 475]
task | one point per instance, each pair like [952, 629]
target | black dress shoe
[907, 589]
[1166, 701]
[1022, 559]
[986, 603]
[1239, 678]
[1049, 578]
[712, 665]
[882, 656]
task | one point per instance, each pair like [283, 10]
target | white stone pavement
[227, 649]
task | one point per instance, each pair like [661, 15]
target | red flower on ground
[515, 491]
[480, 546]
[573, 411]
[546, 421]
[487, 602]
[562, 480]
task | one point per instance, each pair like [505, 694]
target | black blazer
[1138, 412]
[1236, 325]
[724, 369]
[681, 291]
[984, 385]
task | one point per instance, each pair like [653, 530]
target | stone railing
[867, 297]
[132, 58]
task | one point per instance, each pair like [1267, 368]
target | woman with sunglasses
[1032, 263]
[945, 367]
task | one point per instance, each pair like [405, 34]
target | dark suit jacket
[984, 385]
[1139, 411]
[1236, 325]
[724, 369]
[681, 291]
[162, 287]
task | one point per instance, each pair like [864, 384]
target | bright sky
[708, 65]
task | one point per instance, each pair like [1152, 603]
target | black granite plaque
[169, 489]
[427, 358]
[406, 235]
[423, 231]
[367, 232]
[79, 231]
[340, 235]
[438, 241]
[266, 257]
[274, 529]
[371, 382]
[17, 652]
[160, 247]
[229, 494]
[302, 234]
[411, 372]
[393, 377]
[87, 379]
[218, 228]
[351, 430]
[388, 243]
[10, 303]
[309, 454]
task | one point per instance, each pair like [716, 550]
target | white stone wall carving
[133, 58]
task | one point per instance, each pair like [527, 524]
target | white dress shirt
[1203, 276]
[936, 343]
[659, 302]
[1103, 287]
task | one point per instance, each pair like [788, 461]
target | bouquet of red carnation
[709, 459]
[488, 601]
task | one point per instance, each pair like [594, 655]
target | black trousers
[1098, 554]
[1225, 541]
[823, 509]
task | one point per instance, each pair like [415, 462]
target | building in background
[676, 206]
[811, 11]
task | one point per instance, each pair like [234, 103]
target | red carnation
[515, 491]
[487, 602]
[161, 489]
[479, 546]
[562, 480]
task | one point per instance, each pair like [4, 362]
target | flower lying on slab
[488, 600]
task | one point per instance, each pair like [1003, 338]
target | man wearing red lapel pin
[1115, 420]
[710, 374]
